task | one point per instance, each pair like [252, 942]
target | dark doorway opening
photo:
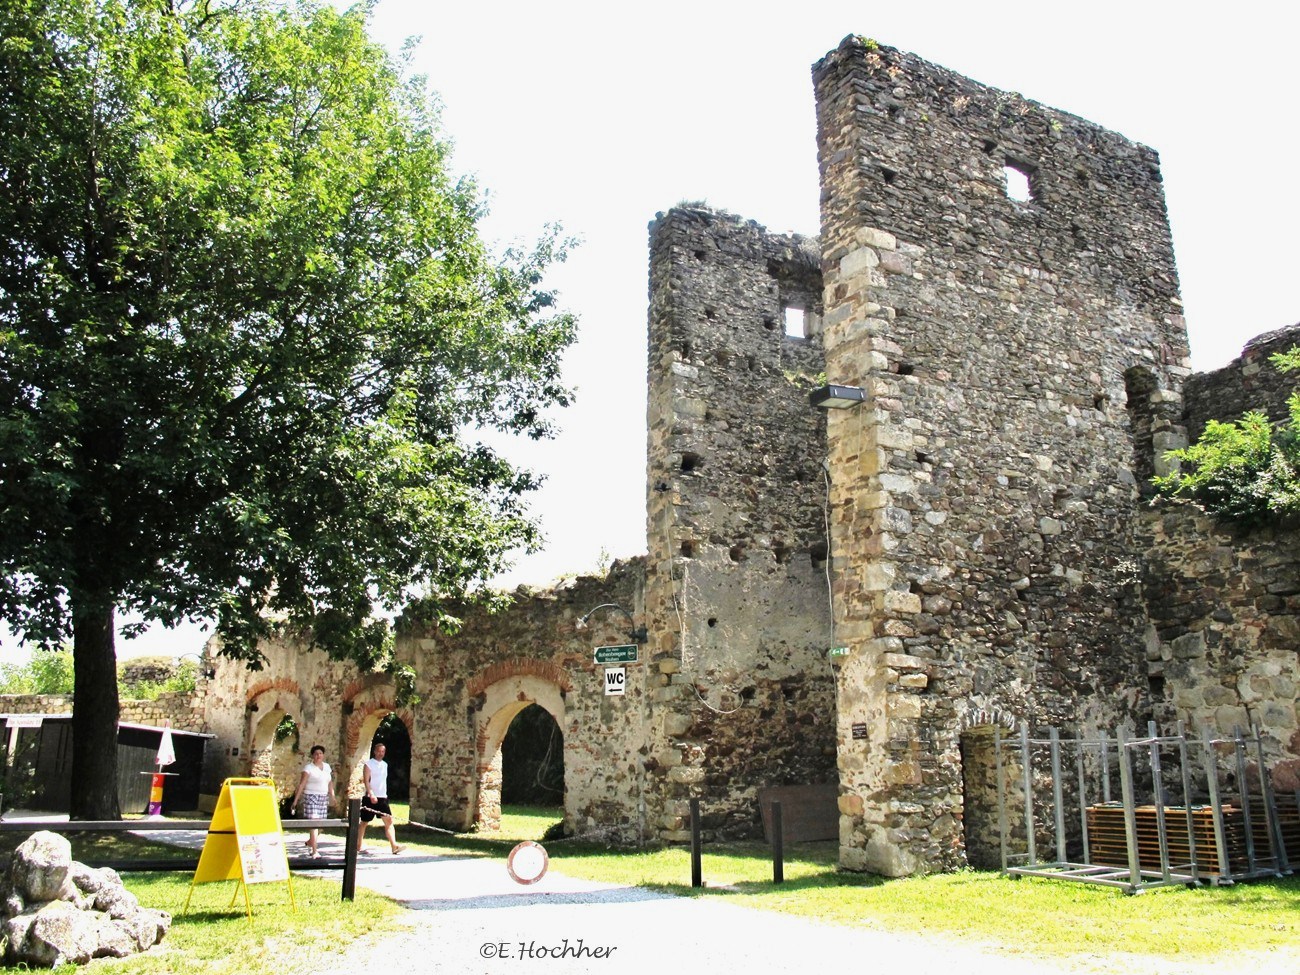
[532, 760]
[392, 734]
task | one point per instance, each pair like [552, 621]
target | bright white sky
[599, 115]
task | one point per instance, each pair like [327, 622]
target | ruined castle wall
[1022, 361]
[243, 708]
[1249, 382]
[1225, 612]
[737, 593]
[474, 682]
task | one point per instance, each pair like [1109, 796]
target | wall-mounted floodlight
[638, 633]
[837, 397]
[206, 670]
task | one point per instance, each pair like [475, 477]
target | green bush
[1247, 470]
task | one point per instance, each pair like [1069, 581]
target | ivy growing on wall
[1246, 470]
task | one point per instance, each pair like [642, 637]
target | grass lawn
[1028, 916]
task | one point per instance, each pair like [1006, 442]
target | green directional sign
[837, 652]
[616, 655]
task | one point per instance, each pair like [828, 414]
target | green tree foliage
[47, 672]
[1247, 470]
[248, 329]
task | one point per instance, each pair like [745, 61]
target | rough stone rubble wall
[1225, 600]
[985, 499]
[473, 682]
[736, 592]
[244, 707]
[1249, 382]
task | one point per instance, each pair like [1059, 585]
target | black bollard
[778, 845]
[697, 875]
[350, 850]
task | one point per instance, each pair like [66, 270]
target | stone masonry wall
[1022, 361]
[474, 682]
[1225, 608]
[243, 708]
[1249, 382]
[736, 592]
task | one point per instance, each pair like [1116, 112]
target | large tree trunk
[94, 711]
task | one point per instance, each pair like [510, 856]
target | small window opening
[1018, 187]
[747, 694]
[688, 549]
[906, 369]
[710, 314]
[699, 255]
[684, 350]
[796, 323]
[690, 463]
[989, 146]
[737, 553]
[888, 175]
[769, 324]
[713, 621]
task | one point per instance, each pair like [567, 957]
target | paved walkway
[469, 916]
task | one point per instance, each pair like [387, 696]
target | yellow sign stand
[245, 840]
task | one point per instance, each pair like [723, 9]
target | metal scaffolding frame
[1123, 751]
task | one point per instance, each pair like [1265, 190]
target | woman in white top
[315, 793]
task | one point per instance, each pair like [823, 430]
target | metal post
[1272, 827]
[1058, 796]
[1158, 795]
[350, 850]
[778, 845]
[1028, 780]
[1187, 801]
[697, 875]
[1105, 768]
[1211, 762]
[1002, 796]
[1130, 814]
[1083, 803]
[1243, 793]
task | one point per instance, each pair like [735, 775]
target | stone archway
[362, 724]
[502, 703]
[981, 821]
[270, 750]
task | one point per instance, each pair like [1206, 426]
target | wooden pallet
[1108, 842]
[1288, 817]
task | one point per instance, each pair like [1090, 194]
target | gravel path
[468, 916]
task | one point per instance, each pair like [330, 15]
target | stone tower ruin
[1022, 360]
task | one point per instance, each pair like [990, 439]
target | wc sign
[615, 681]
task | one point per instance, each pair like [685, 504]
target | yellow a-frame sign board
[245, 840]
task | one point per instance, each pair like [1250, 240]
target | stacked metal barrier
[1143, 839]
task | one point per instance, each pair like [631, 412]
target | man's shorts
[380, 807]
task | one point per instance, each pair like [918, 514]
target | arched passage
[532, 760]
[503, 702]
[981, 826]
[276, 746]
[375, 723]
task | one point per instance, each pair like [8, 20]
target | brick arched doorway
[503, 700]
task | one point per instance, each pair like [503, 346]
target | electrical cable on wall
[826, 520]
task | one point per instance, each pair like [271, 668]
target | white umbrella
[166, 750]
